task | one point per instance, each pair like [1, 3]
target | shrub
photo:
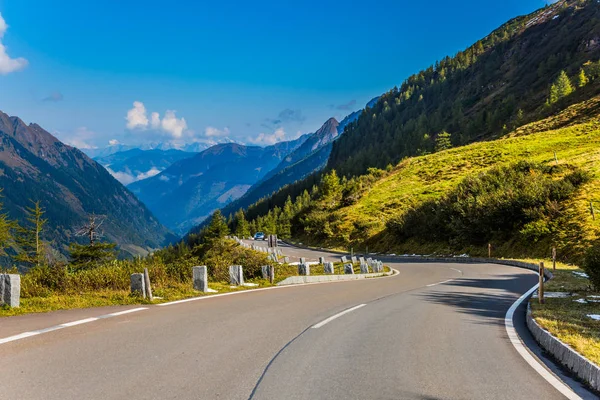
[494, 205]
[591, 265]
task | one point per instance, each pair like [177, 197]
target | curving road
[434, 331]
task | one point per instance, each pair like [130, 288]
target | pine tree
[29, 239]
[93, 254]
[563, 85]
[582, 79]
[443, 141]
[242, 228]
[217, 229]
[90, 256]
[331, 189]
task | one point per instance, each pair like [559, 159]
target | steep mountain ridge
[312, 156]
[503, 82]
[34, 165]
[499, 83]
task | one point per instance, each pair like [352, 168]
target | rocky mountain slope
[35, 166]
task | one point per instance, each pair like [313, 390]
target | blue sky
[256, 72]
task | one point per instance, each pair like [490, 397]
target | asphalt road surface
[434, 331]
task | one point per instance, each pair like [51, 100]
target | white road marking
[67, 325]
[457, 270]
[328, 320]
[439, 283]
[116, 314]
[516, 341]
[394, 273]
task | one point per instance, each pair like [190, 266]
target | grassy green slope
[418, 179]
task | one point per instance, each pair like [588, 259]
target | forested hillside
[524, 193]
[499, 83]
[509, 92]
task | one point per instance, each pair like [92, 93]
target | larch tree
[582, 78]
[443, 141]
[29, 238]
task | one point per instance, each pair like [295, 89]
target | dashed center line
[328, 320]
[67, 325]
[439, 283]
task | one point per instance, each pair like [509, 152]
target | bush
[514, 201]
[591, 265]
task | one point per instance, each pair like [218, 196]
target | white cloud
[136, 117]
[7, 64]
[127, 178]
[215, 132]
[80, 138]
[267, 139]
[171, 124]
[113, 142]
[148, 174]
[155, 120]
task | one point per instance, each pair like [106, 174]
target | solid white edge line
[522, 350]
[67, 325]
[336, 316]
[24, 335]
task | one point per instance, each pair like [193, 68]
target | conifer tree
[217, 229]
[29, 239]
[93, 254]
[443, 141]
[563, 85]
[582, 79]
[242, 228]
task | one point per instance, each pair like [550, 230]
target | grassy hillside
[365, 211]
[499, 83]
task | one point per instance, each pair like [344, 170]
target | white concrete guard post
[302, 260]
[348, 269]
[344, 259]
[138, 286]
[303, 269]
[10, 290]
[236, 275]
[322, 260]
[265, 269]
[200, 278]
[328, 267]
[364, 268]
[353, 259]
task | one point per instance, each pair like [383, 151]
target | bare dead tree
[91, 229]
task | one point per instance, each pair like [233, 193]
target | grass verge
[171, 292]
[566, 318]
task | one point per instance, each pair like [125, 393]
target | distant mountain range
[136, 164]
[310, 157]
[188, 191]
[35, 166]
[195, 147]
